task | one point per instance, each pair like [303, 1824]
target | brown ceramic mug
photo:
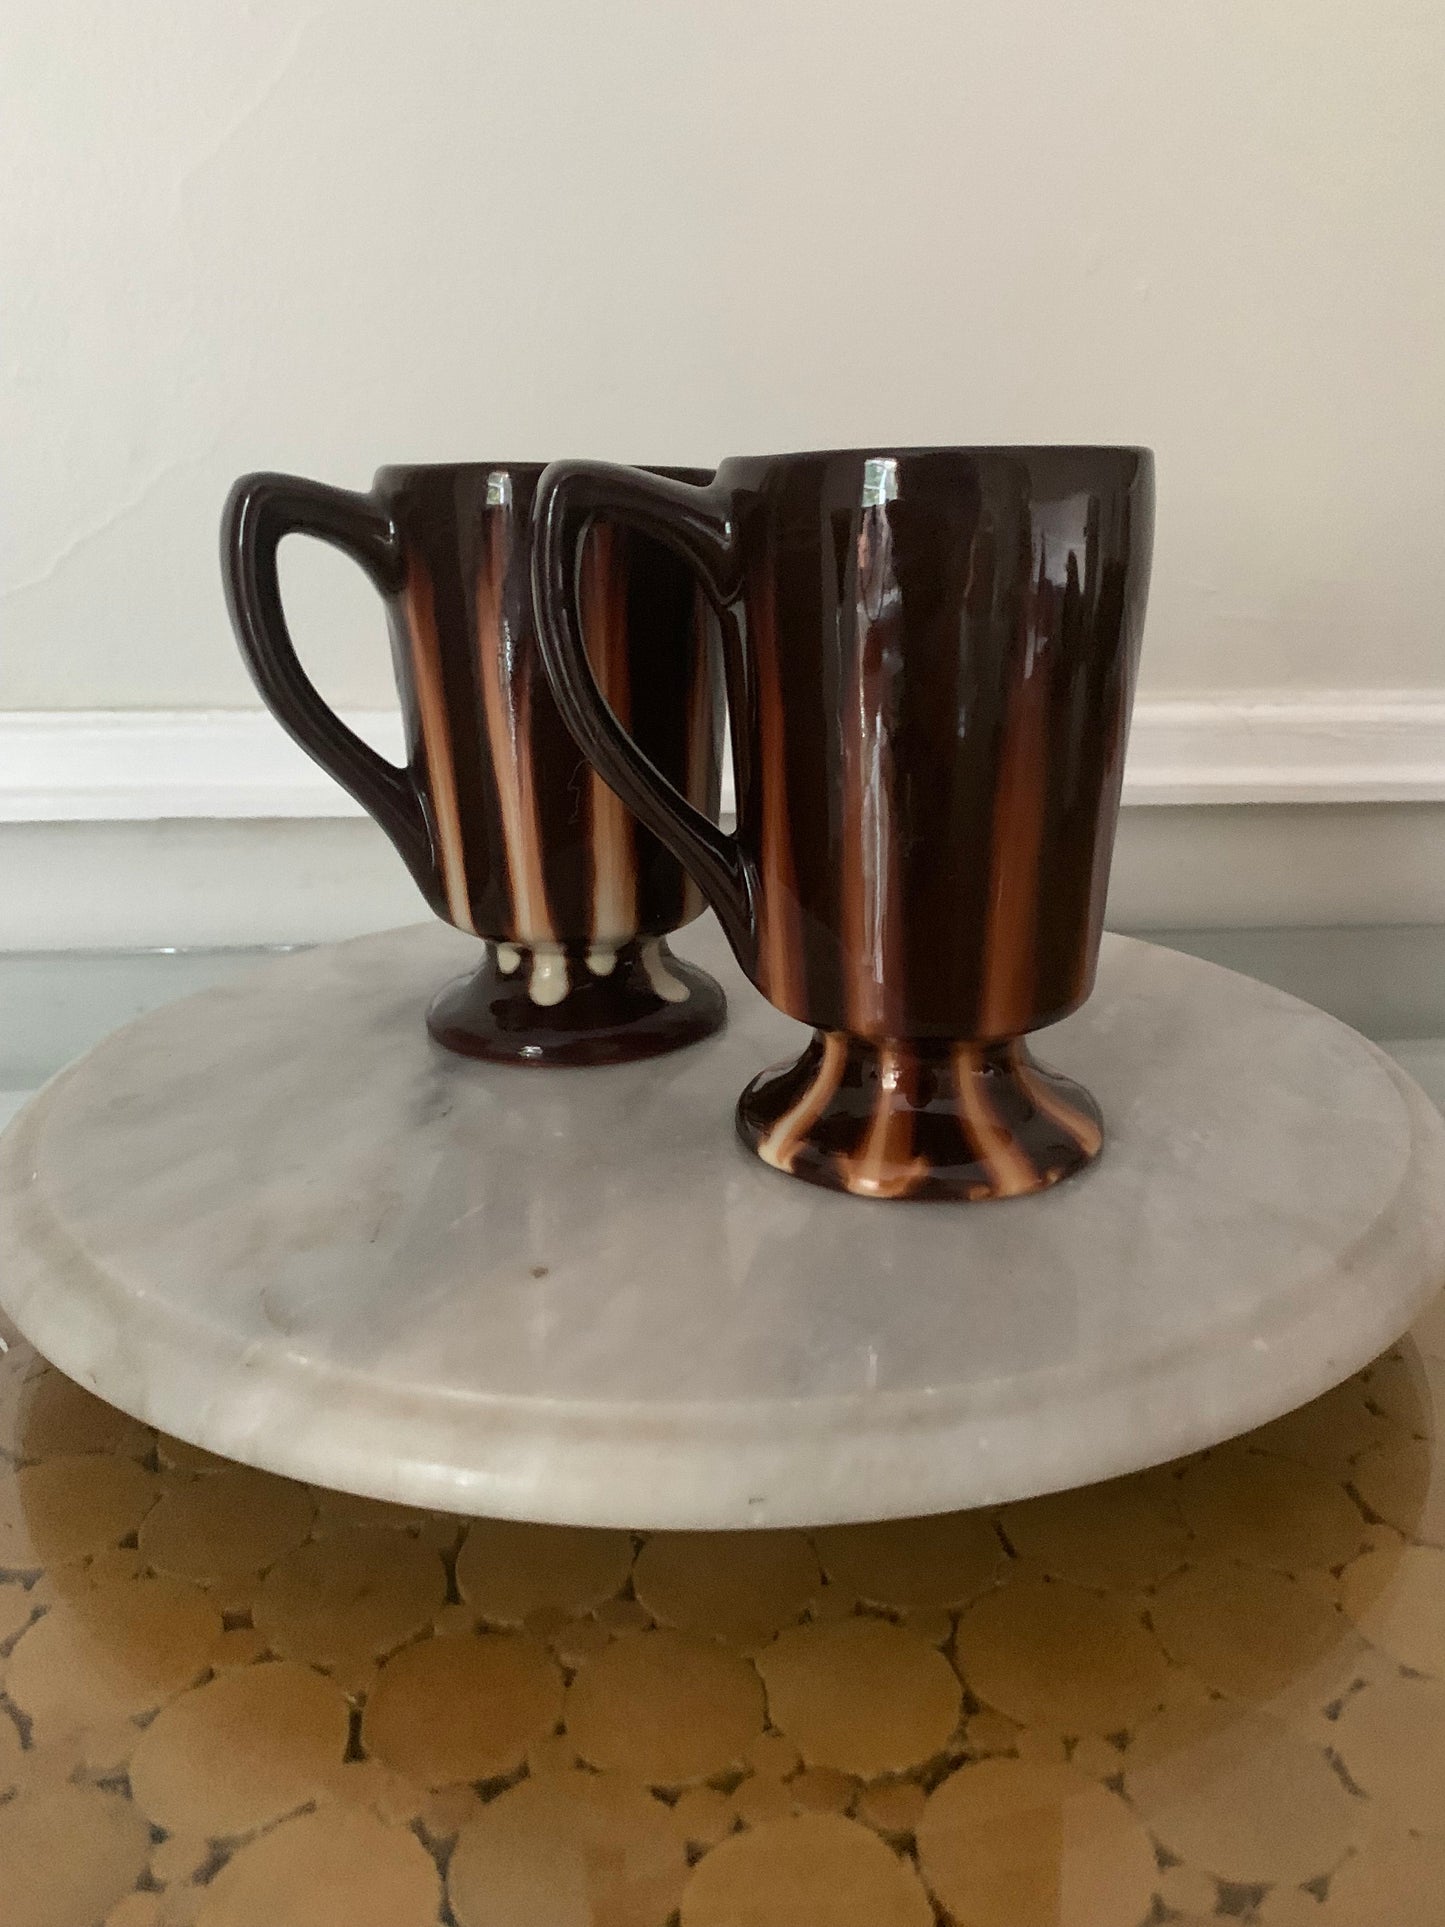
[506, 829]
[930, 659]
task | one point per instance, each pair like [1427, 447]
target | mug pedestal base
[920, 1119]
[571, 1004]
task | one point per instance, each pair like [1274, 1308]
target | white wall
[326, 236]
[283, 233]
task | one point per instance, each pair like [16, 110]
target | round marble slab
[278, 1222]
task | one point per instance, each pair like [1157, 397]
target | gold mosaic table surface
[1213, 1690]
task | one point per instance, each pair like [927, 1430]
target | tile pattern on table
[1214, 1690]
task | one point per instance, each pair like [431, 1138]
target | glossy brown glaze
[931, 666]
[507, 831]
[920, 1120]
[645, 1001]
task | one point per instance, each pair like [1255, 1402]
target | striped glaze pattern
[508, 832]
[532, 848]
[940, 660]
[577, 1003]
[933, 658]
[905, 1120]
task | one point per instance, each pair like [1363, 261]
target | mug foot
[910, 1119]
[576, 1004]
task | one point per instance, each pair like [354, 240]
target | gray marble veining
[276, 1220]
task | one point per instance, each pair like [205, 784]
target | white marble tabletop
[278, 1222]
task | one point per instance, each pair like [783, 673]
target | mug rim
[883, 451]
[393, 471]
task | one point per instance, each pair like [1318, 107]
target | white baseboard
[183, 828]
[1329, 746]
[146, 766]
[164, 765]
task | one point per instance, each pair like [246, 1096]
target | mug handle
[694, 521]
[260, 510]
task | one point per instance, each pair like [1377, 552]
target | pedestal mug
[507, 831]
[930, 660]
